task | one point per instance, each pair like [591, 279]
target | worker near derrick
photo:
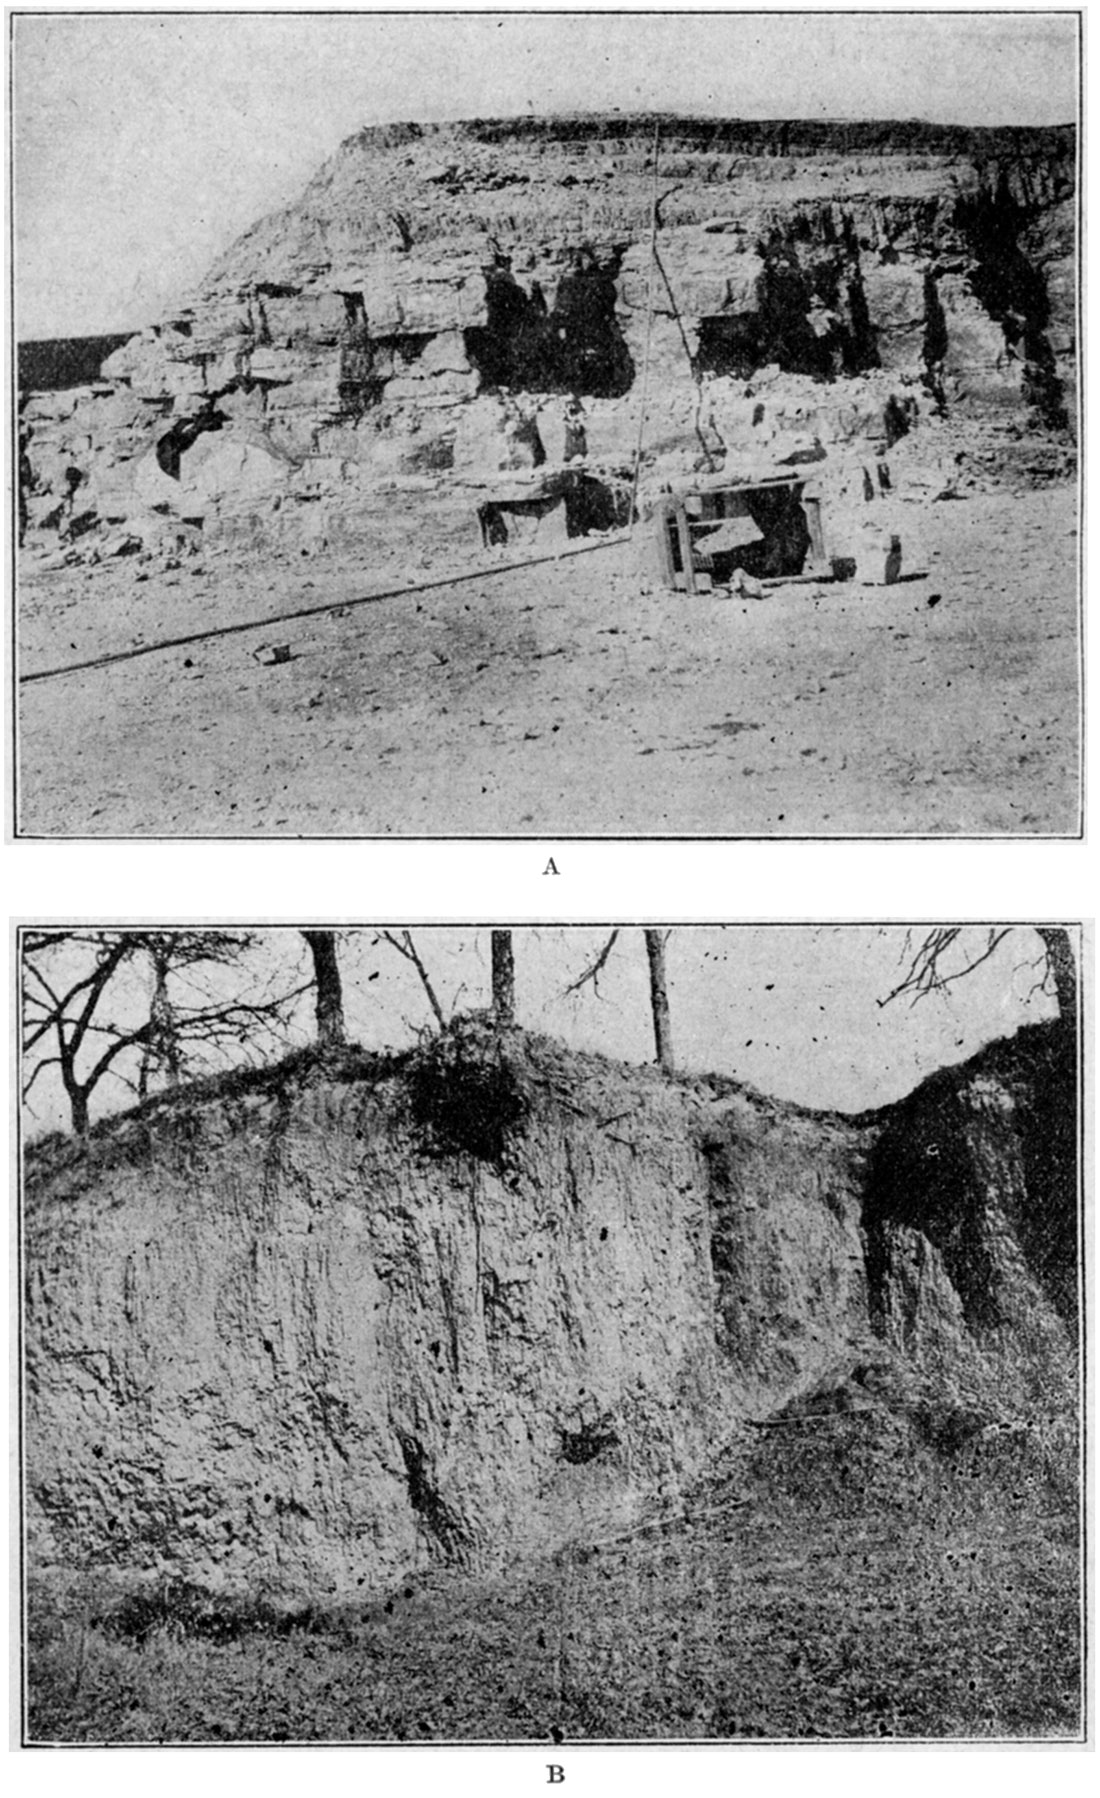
[576, 436]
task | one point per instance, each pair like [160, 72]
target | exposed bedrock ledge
[302, 1332]
[810, 279]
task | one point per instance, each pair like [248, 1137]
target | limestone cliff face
[420, 313]
[308, 1334]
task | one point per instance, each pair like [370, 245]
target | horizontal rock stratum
[304, 1332]
[418, 317]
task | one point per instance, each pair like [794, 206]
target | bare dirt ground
[570, 699]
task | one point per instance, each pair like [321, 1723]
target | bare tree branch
[594, 970]
[406, 947]
[925, 973]
[78, 1019]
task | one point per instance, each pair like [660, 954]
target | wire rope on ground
[332, 605]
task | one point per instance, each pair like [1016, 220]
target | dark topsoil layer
[759, 137]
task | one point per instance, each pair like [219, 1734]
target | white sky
[793, 1010]
[144, 143]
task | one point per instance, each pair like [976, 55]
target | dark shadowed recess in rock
[575, 346]
[173, 446]
[1013, 290]
[585, 1444]
[358, 385]
[809, 319]
[946, 1169]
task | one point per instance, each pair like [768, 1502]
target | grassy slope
[834, 1579]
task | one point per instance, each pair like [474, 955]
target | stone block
[274, 365]
[895, 297]
[979, 362]
[223, 470]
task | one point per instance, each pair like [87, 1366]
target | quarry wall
[416, 321]
[306, 1332]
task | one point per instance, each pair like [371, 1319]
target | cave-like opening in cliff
[591, 353]
[574, 346]
[357, 384]
[731, 344]
[515, 323]
[174, 444]
[934, 347]
[808, 320]
[796, 327]
[859, 346]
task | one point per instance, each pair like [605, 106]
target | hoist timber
[785, 536]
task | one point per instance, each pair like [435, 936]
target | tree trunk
[504, 978]
[658, 995]
[78, 1101]
[1062, 965]
[165, 1042]
[330, 996]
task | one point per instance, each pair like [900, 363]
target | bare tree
[331, 1029]
[64, 1016]
[161, 1050]
[949, 953]
[73, 987]
[1061, 969]
[406, 947]
[655, 942]
[504, 978]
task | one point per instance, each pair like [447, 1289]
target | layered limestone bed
[305, 1332]
[415, 322]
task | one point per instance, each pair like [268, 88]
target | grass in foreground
[820, 1586]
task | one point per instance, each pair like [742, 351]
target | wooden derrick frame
[680, 518]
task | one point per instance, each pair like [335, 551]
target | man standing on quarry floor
[576, 437]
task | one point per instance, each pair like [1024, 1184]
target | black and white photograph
[611, 425]
[552, 1335]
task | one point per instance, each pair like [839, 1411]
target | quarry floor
[575, 698]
